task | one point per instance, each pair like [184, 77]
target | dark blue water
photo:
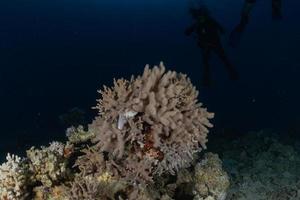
[56, 54]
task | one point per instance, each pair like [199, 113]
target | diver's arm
[218, 25]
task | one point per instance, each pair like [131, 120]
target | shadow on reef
[182, 192]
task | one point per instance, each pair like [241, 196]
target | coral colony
[143, 144]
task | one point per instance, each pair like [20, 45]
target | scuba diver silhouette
[237, 32]
[207, 32]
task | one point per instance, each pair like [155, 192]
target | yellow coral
[105, 177]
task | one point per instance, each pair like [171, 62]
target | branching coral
[85, 188]
[153, 119]
[14, 178]
[91, 162]
[93, 187]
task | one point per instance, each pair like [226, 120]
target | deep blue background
[56, 54]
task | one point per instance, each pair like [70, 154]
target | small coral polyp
[162, 124]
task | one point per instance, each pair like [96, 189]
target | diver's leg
[206, 76]
[236, 34]
[233, 74]
[276, 9]
[247, 8]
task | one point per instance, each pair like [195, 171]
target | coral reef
[144, 144]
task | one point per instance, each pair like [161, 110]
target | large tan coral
[153, 120]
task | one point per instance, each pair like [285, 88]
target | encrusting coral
[149, 130]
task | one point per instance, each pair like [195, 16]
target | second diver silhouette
[207, 32]
[236, 34]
